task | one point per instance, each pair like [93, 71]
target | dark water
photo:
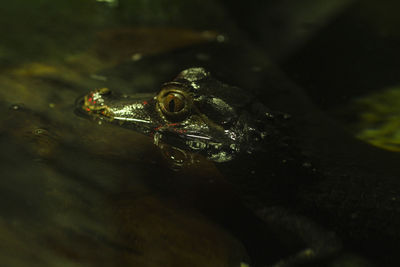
[74, 193]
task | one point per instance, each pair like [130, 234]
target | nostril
[96, 98]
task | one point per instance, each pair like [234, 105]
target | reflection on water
[74, 193]
[95, 199]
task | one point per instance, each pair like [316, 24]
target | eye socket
[174, 102]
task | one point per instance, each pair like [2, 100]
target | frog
[197, 114]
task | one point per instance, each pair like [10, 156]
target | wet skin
[193, 113]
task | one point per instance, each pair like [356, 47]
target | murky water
[77, 193]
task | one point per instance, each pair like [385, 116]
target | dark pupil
[174, 102]
[171, 105]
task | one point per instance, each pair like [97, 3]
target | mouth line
[198, 136]
[131, 119]
[188, 142]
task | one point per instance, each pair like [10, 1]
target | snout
[136, 112]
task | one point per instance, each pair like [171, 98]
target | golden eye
[173, 102]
